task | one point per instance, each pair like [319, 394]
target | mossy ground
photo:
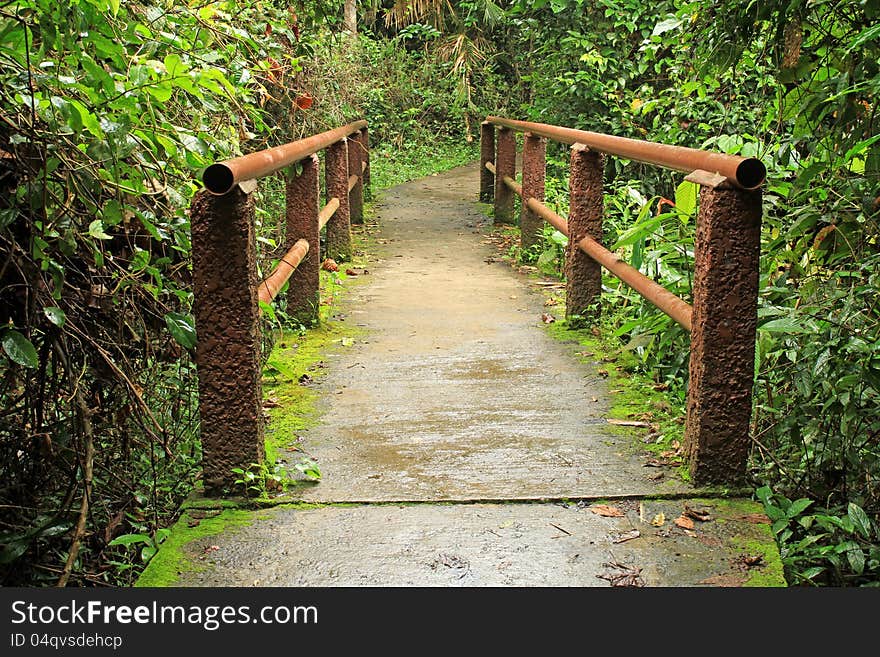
[165, 567]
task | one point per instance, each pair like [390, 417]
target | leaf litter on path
[607, 511]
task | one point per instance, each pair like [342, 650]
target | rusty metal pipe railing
[222, 177]
[327, 211]
[352, 181]
[512, 184]
[678, 309]
[743, 172]
[270, 287]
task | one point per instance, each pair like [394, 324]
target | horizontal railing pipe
[512, 184]
[744, 172]
[327, 211]
[222, 177]
[275, 281]
[676, 308]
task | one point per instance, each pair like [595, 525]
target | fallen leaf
[626, 536]
[684, 522]
[547, 318]
[329, 264]
[697, 514]
[659, 519]
[754, 518]
[347, 342]
[305, 379]
[304, 102]
[602, 373]
[350, 272]
[748, 560]
[607, 511]
[688, 532]
[654, 463]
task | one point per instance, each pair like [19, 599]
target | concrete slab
[486, 545]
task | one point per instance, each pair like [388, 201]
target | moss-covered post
[583, 274]
[487, 155]
[355, 174]
[505, 165]
[227, 324]
[722, 360]
[303, 295]
[338, 243]
[534, 171]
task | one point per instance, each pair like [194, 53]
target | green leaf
[856, 559]
[174, 66]
[639, 231]
[89, 121]
[114, 7]
[686, 198]
[666, 26]
[13, 550]
[130, 539]
[797, 507]
[96, 230]
[860, 519]
[810, 573]
[148, 552]
[182, 329]
[19, 349]
[783, 325]
[268, 311]
[55, 315]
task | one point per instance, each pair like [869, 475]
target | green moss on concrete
[751, 539]
[171, 559]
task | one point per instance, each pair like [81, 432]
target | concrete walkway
[469, 447]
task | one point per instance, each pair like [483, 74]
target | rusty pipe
[222, 177]
[275, 281]
[658, 295]
[515, 186]
[491, 167]
[744, 172]
[352, 181]
[327, 211]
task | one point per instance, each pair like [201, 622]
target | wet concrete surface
[479, 545]
[455, 392]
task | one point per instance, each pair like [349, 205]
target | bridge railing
[226, 288]
[723, 318]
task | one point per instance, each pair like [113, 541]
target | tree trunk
[350, 17]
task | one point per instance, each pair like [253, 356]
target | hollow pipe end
[750, 173]
[218, 179]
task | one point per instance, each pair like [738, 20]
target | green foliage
[109, 111]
